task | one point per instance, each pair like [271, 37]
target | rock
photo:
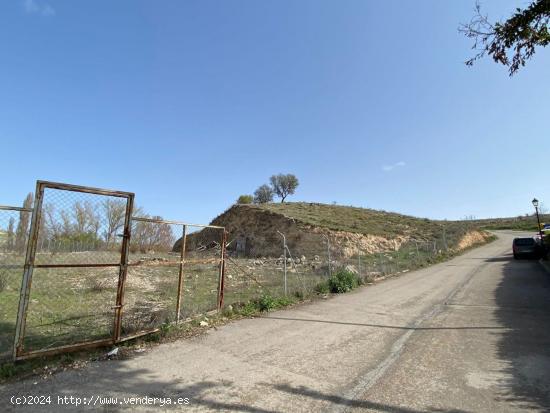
[303, 259]
[315, 258]
[351, 268]
[203, 324]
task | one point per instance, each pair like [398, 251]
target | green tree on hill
[284, 185]
[263, 195]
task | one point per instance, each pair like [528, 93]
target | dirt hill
[255, 230]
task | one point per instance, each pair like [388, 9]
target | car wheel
[516, 256]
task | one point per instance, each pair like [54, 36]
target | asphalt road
[468, 335]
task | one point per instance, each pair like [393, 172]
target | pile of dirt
[471, 239]
[256, 230]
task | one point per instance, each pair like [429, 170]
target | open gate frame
[122, 264]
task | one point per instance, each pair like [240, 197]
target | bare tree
[10, 241]
[147, 236]
[284, 185]
[115, 212]
[93, 218]
[80, 217]
[66, 223]
[49, 222]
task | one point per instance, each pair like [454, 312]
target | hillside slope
[256, 230]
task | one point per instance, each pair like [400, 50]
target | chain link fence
[295, 265]
[173, 273]
[14, 226]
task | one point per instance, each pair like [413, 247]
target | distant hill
[520, 223]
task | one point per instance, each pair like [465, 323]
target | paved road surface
[469, 335]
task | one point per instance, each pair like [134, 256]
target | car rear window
[524, 241]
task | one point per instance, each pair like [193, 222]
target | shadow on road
[307, 320]
[109, 380]
[523, 308]
[336, 400]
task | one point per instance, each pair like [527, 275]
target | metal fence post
[221, 284]
[27, 274]
[359, 264]
[284, 259]
[180, 276]
[125, 250]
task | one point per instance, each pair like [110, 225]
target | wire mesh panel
[174, 273]
[76, 260]
[254, 267]
[79, 228]
[70, 305]
[202, 270]
[14, 231]
[151, 287]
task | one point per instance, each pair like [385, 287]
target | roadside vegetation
[368, 221]
[520, 223]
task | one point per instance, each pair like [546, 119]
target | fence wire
[163, 254]
[79, 228]
[14, 227]
[280, 265]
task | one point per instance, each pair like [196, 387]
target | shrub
[245, 199]
[249, 309]
[343, 281]
[267, 302]
[322, 288]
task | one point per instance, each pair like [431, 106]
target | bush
[267, 302]
[343, 281]
[245, 199]
[322, 288]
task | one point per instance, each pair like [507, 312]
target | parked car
[526, 247]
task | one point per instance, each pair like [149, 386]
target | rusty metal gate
[74, 271]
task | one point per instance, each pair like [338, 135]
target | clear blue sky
[191, 103]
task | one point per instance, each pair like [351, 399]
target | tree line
[87, 225]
